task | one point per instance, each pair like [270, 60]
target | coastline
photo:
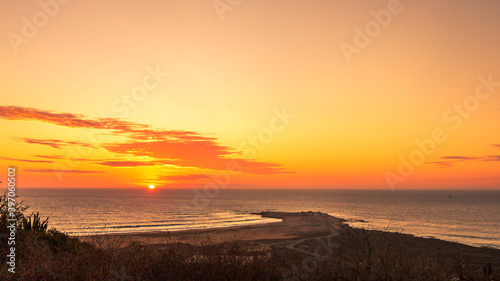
[292, 226]
[299, 231]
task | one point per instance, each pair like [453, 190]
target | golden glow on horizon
[353, 121]
[151, 187]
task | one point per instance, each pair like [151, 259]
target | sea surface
[471, 217]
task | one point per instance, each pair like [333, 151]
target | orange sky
[330, 94]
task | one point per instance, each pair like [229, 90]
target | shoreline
[94, 233]
[303, 233]
[303, 244]
[290, 226]
[340, 223]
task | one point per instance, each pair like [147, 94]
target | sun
[151, 187]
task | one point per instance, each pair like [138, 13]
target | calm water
[470, 217]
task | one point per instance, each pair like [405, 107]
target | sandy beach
[316, 234]
[294, 226]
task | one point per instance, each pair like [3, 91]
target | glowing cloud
[181, 148]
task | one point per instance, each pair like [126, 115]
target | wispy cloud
[459, 158]
[53, 142]
[448, 161]
[113, 163]
[181, 148]
[185, 177]
[62, 171]
[62, 119]
[55, 157]
[26, 160]
[117, 126]
[492, 158]
[204, 154]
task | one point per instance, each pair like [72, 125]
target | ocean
[467, 216]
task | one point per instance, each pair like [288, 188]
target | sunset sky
[298, 94]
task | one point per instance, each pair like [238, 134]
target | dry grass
[362, 255]
[355, 254]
